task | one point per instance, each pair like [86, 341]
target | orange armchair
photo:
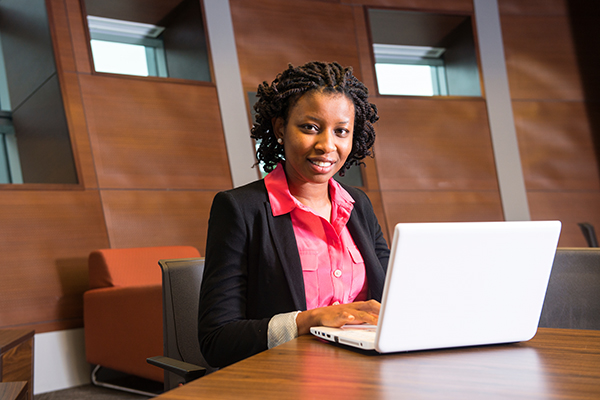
[122, 310]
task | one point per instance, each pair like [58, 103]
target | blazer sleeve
[224, 332]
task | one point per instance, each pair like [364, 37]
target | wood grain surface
[555, 364]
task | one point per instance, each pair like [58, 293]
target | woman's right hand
[360, 312]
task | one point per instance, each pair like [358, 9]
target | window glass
[35, 145]
[424, 54]
[119, 58]
[403, 79]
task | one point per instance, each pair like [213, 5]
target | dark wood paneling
[148, 134]
[540, 58]
[452, 6]
[537, 7]
[270, 34]
[556, 145]
[45, 240]
[138, 218]
[440, 206]
[570, 207]
[429, 144]
[16, 359]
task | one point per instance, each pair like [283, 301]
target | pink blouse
[332, 266]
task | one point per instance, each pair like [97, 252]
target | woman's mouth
[322, 164]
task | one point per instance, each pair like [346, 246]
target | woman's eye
[343, 132]
[309, 127]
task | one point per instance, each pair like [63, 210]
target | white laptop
[457, 284]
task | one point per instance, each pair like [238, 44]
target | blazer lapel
[282, 233]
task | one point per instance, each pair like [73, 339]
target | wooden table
[14, 390]
[556, 363]
[16, 357]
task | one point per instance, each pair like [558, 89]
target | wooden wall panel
[138, 218]
[570, 208]
[428, 144]
[45, 240]
[552, 115]
[80, 140]
[366, 64]
[440, 206]
[537, 7]
[81, 49]
[270, 34]
[148, 134]
[63, 49]
[556, 146]
[540, 58]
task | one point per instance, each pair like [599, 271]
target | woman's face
[317, 139]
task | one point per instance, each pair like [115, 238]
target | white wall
[59, 361]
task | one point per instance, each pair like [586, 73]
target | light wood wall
[150, 153]
[150, 156]
[552, 113]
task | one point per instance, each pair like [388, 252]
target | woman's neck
[314, 196]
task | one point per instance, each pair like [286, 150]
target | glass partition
[35, 146]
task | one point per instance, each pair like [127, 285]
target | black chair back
[181, 292]
[573, 295]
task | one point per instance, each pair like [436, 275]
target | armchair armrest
[187, 371]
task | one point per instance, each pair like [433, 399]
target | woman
[296, 249]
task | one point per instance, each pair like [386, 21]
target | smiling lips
[322, 164]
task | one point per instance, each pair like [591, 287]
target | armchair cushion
[123, 325]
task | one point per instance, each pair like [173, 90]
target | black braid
[276, 99]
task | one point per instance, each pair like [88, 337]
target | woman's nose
[326, 142]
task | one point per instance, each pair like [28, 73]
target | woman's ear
[278, 125]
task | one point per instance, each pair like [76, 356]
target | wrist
[304, 320]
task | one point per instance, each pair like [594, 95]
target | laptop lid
[465, 283]
[459, 284]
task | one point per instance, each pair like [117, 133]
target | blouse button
[337, 273]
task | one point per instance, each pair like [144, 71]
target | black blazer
[253, 270]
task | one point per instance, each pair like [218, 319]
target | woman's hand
[335, 316]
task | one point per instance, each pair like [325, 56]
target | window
[424, 54]
[125, 47]
[149, 38]
[35, 146]
[10, 169]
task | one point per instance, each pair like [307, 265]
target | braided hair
[277, 98]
